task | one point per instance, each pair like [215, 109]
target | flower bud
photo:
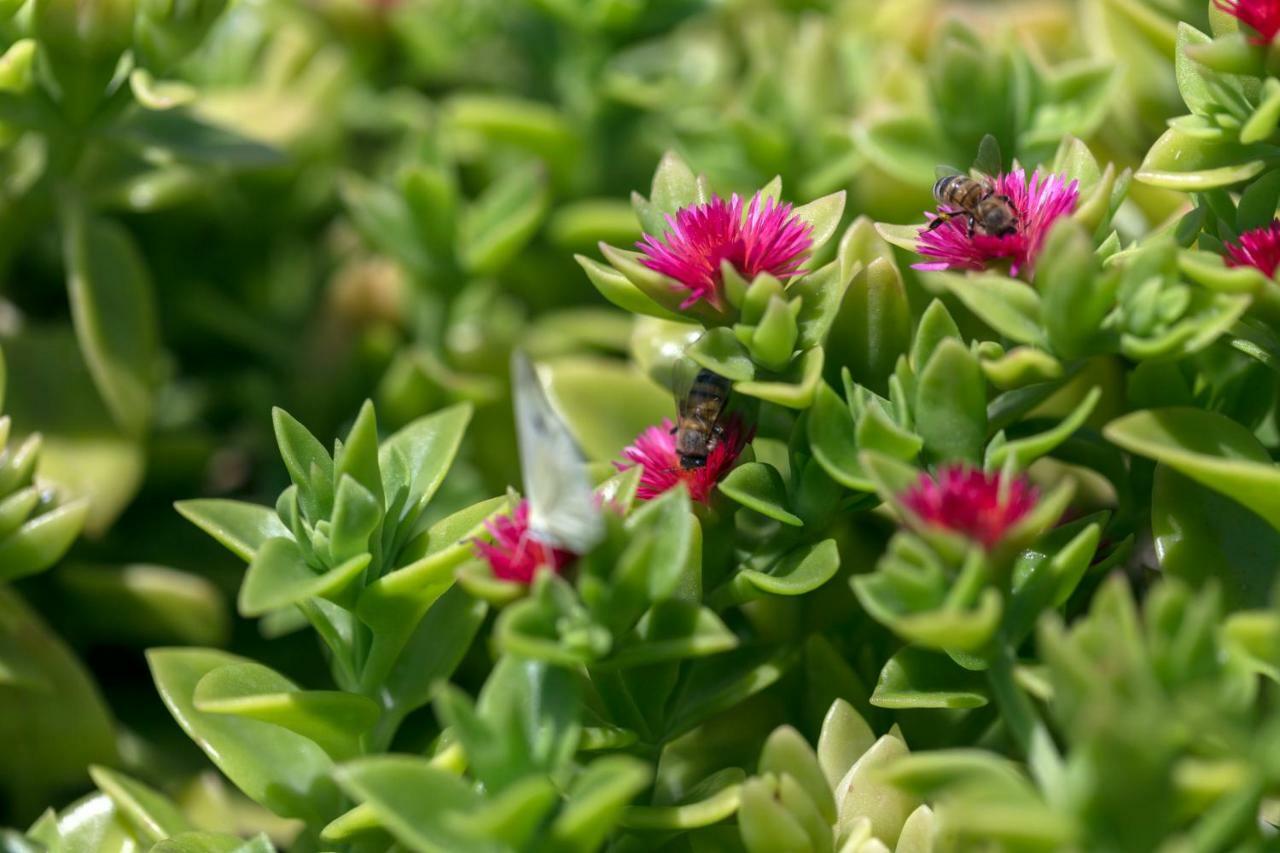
[82, 41]
[90, 31]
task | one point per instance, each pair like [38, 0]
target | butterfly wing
[562, 506]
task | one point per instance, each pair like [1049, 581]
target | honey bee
[990, 212]
[698, 412]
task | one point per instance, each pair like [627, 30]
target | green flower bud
[82, 41]
[89, 31]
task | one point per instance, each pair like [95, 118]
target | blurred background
[306, 204]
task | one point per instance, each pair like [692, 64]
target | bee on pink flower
[1258, 248]
[654, 450]
[981, 505]
[960, 242]
[767, 238]
[1263, 16]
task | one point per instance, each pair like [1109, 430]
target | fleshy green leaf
[394, 787]
[916, 678]
[426, 447]
[111, 305]
[1210, 449]
[241, 527]
[279, 576]
[152, 814]
[335, 720]
[759, 487]
[283, 771]
[800, 571]
[1007, 305]
[951, 404]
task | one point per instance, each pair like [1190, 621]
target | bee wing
[562, 506]
[940, 172]
[683, 373]
[989, 161]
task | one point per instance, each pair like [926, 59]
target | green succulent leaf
[394, 787]
[758, 486]
[335, 720]
[46, 693]
[152, 815]
[112, 306]
[242, 527]
[284, 771]
[918, 678]
[279, 576]
[1210, 449]
[951, 403]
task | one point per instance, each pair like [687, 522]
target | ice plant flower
[654, 450]
[514, 554]
[1262, 15]
[1038, 204]
[1259, 248]
[982, 505]
[768, 237]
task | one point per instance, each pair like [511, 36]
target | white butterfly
[562, 508]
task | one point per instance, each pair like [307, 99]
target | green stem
[1019, 714]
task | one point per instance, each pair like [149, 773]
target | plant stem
[1019, 715]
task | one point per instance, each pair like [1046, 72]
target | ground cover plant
[763, 426]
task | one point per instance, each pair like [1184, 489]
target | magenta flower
[655, 451]
[1262, 15]
[768, 238]
[1038, 205]
[514, 554]
[978, 504]
[1259, 248]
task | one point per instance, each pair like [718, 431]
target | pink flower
[978, 504]
[1259, 248]
[1037, 204]
[1262, 15]
[655, 451]
[769, 238]
[514, 555]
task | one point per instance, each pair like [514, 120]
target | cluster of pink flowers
[1262, 15]
[981, 505]
[768, 238]
[1038, 203]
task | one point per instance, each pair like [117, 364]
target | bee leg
[674, 430]
[940, 220]
[718, 429]
[973, 225]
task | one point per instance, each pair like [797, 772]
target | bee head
[690, 461]
[999, 220]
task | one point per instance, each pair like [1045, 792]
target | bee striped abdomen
[699, 412]
[958, 191]
[943, 187]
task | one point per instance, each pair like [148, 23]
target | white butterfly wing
[562, 506]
